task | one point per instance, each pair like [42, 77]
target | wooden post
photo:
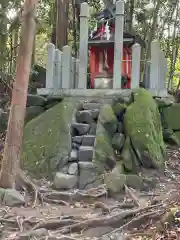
[50, 66]
[136, 58]
[10, 167]
[66, 68]
[154, 69]
[118, 44]
[83, 46]
[57, 80]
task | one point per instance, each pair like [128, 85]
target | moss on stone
[115, 180]
[47, 139]
[119, 107]
[143, 125]
[103, 150]
[108, 119]
[172, 116]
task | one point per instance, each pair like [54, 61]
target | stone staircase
[79, 171]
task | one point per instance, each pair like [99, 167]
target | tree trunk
[11, 157]
[62, 23]
[130, 18]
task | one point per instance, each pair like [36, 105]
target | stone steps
[83, 132]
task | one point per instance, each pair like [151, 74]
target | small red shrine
[101, 49]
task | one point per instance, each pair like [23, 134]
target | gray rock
[62, 162]
[35, 100]
[91, 106]
[73, 155]
[64, 169]
[73, 169]
[95, 113]
[64, 181]
[120, 127]
[13, 198]
[75, 145]
[92, 130]
[88, 140]
[85, 154]
[50, 105]
[77, 139]
[32, 112]
[115, 181]
[80, 128]
[84, 116]
[118, 141]
[88, 176]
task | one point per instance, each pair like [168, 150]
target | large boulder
[47, 139]
[143, 125]
[103, 155]
[172, 116]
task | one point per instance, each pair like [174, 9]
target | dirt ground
[93, 215]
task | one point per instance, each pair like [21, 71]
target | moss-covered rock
[163, 102]
[143, 126]
[119, 110]
[128, 157]
[172, 116]
[108, 119]
[47, 139]
[32, 112]
[115, 180]
[103, 155]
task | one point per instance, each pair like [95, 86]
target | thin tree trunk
[174, 53]
[130, 18]
[11, 157]
[74, 29]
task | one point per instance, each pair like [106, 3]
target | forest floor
[93, 215]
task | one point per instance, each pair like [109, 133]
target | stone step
[88, 140]
[91, 106]
[79, 129]
[73, 169]
[88, 177]
[77, 139]
[84, 116]
[87, 116]
[85, 154]
[73, 155]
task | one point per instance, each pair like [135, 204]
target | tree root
[78, 195]
[132, 195]
[136, 221]
[104, 221]
[106, 209]
[54, 224]
[59, 202]
[24, 181]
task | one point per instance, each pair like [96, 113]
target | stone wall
[84, 143]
